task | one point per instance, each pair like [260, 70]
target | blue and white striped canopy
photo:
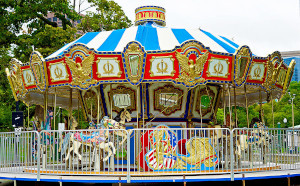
[152, 37]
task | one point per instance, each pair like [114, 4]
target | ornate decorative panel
[37, 64]
[218, 68]
[134, 56]
[123, 97]
[257, 71]
[58, 72]
[281, 76]
[108, 67]
[28, 77]
[191, 60]
[162, 66]
[243, 59]
[168, 99]
[15, 78]
[80, 60]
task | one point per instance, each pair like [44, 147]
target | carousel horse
[118, 123]
[259, 137]
[46, 137]
[239, 144]
[96, 140]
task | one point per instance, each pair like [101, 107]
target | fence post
[38, 156]
[128, 155]
[231, 156]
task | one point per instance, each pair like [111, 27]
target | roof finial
[146, 14]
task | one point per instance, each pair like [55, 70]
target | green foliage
[24, 27]
[108, 16]
[282, 109]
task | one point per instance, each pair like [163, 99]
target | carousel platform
[270, 174]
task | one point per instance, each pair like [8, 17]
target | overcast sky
[264, 25]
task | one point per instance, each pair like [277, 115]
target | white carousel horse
[118, 123]
[97, 140]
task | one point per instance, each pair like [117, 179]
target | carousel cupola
[150, 15]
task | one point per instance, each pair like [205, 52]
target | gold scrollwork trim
[106, 67]
[167, 89]
[58, 72]
[281, 76]
[217, 68]
[123, 90]
[160, 70]
[134, 49]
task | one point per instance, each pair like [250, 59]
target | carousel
[150, 95]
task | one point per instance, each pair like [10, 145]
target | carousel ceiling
[150, 53]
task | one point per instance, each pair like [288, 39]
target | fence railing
[149, 152]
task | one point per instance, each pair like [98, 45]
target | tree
[24, 28]
[108, 16]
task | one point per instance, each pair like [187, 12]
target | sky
[263, 25]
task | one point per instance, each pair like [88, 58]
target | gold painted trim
[108, 58]
[134, 49]
[155, 57]
[11, 84]
[288, 74]
[64, 79]
[281, 76]
[242, 52]
[210, 60]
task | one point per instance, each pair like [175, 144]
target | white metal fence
[151, 152]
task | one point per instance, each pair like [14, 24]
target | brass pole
[229, 105]
[143, 104]
[78, 98]
[137, 105]
[28, 117]
[91, 107]
[260, 104]
[111, 104]
[224, 105]
[272, 108]
[70, 107]
[98, 99]
[235, 110]
[200, 108]
[54, 108]
[246, 104]
[45, 104]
